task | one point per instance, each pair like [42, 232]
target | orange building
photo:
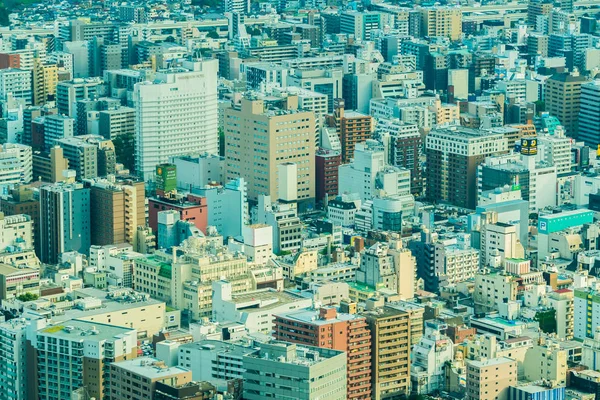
[352, 127]
[329, 329]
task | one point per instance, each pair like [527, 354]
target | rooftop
[149, 367]
[79, 330]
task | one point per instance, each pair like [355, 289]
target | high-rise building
[15, 381]
[64, 220]
[86, 350]
[317, 372]
[441, 21]
[562, 97]
[453, 155]
[326, 173]
[589, 114]
[275, 136]
[352, 128]
[56, 127]
[82, 156]
[69, 92]
[16, 82]
[359, 24]
[390, 352]
[117, 121]
[117, 209]
[176, 115]
[329, 329]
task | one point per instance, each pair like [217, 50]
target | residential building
[17, 281]
[441, 21]
[390, 352]
[326, 174]
[327, 328]
[16, 82]
[490, 379]
[352, 128]
[87, 349]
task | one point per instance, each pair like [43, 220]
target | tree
[28, 297]
[213, 35]
[540, 106]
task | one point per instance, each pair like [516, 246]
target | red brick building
[326, 328]
[191, 208]
[326, 173]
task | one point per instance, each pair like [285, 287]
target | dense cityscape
[300, 199]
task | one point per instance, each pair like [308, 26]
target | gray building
[64, 220]
[288, 371]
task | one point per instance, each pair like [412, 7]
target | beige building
[118, 208]
[493, 288]
[562, 96]
[442, 21]
[390, 352]
[259, 137]
[136, 379]
[546, 361]
[17, 281]
[50, 167]
[490, 379]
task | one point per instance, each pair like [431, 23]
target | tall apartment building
[18, 83]
[589, 114]
[85, 350]
[258, 139]
[390, 352]
[16, 164]
[490, 379]
[82, 156]
[562, 96]
[359, 24]
[117, 121]
[176, 115]
[537, 44]
[405, 148]
[286, 370]
[55, 127]
[441, 21]
[50, 167]
[352, 128]
[326, 173]
[68, 93]
[327, 328]
[16, 383]
[136, 379]
[453, 155]
[64, 220]
[117, 209]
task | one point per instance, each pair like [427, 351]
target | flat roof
[312, 317]
[80, 330]
[150, 367]
[218, 346]
[490, 362]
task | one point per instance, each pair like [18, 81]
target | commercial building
[86, 350]
[191, 208]
[453, 155]
[176, 115]
[299, 372]
[589, 114]
[327, 328]
[562, 95]
[64, 220]
[326, 174]
[276, 136]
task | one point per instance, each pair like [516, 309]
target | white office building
[176, 114]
